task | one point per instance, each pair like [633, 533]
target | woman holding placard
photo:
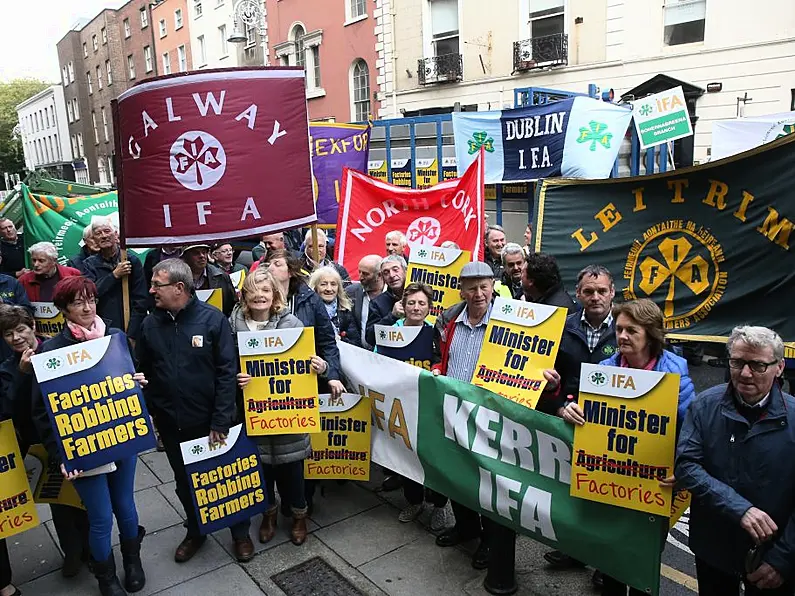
[327, 283]
[104, 495]
[263, 308]
[641, 338]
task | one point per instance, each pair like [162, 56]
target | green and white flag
[502, 459]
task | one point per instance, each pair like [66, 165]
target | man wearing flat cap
[207, 276]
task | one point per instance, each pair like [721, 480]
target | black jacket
[109, 290]
[12, 256]
[16, 390]
[190, 362]
[78, 261]
[309, 308]
[380, 314]
[557, 296]
[216, 278]
[12, 292]
[348, 327]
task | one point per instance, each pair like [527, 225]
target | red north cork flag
[453, 210]
[214, 155]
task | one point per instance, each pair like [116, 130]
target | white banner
[730, 137]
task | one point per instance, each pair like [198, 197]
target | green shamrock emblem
[481, 139]
[53, 363]
[382, 334]
[197, 449]
[646, 109]
[421, 253]
[597, 378]
[253, 342]
[608, 350]
[507, 309]
[788, 130]
[596, 133]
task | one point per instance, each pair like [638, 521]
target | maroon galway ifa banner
[214, 155]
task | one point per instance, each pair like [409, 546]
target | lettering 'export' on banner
[48, 319]
[626, 445]
[341, 450]
[522, 340]
[46, 481]
[95, 406]
[438, 268]
[17, 509]
[412, 345]
[214, 297]
[282, 395]
[226, 481]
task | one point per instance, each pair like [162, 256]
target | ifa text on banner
[341, 450]
[226, 481]
[370, 209]
[438, 268]
[48, 319]
[214, 155]
[95, 407]
[282, 395]
[662, 117]
[18, 509]
[214, 297]
[522, 340]
[626, 445]
[412, 345]
[46, 481]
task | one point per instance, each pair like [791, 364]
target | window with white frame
[224, 41]
[197, 9]
[178, 19]
[94, 125]
[684, 21]
[80, 146]
[127, 30]
[131, 66]
[162, 28]
[76, 108]
[73, 140]
[64, 75]
[109, 72]
[444, 27]
[202, 50]
[90, 86]
[104, 33]
[99, 77]
[166, 63]
[71, 70]
[148, 62]
[105, 124]
[182, 59]
[85, 50]
[94, 43]
[69, 114]
[360, 91]
[144, 18]
[251, 36]
[298, 39]
[315, 55]
[358, 8]
[547, 17]
[46, 118]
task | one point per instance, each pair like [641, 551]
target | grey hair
[87, 232]
[396, 233]
[757, 337]
[493, 228]
[101, 221]
[511, 249]
[594, 271]
[320, 232]
[46, 248]
[393, 259]
[450, 244]
[177, 271]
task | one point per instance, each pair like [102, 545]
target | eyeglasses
[755, 365]
[157, 285]
[82, 303]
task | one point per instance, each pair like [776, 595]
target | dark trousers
[5, 565]
[714, 582]
[472, 524]
[71, 526]
[172, 436]
[613, 587]
[415, 494]
[289, 478]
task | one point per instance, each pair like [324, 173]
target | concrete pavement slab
[44, 512]
[369, 535]
[144, 477]
[33, 554]
[226, 580]
[157, 462]
[341, 501]
[169, 492]
[154, 513]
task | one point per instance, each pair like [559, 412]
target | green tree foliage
[12, 93]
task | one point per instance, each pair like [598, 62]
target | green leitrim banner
[502, 459]
[709, 244]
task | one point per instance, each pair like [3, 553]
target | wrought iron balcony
[541, 52]
[447, 68]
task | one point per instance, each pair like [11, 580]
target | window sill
[355, 20]
[224, 57]
[315, 93]
[178, 28]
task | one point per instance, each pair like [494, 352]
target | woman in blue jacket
[641, 337]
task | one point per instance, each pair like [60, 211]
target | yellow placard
[522, 340]
[47, 482]
[214, 297]
[679, 504]
[48, 319]
[377, 169]
[341, 450]
[427, 173]
[238, 277]
[282, 396]
[438, 268]
[626, 445]
[18, 508]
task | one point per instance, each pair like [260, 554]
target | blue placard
[96, 409]
[226, 482]
[412, 345]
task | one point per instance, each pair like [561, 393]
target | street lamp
[249, 12]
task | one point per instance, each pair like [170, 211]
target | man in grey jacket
[735, 456]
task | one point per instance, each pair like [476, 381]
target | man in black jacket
[542, 283]
[12, 249]
[386, 309]
[209, 277]
[88, 249]
[188, 355]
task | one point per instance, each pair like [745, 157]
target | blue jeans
[104, 496]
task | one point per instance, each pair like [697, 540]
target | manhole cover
[314, 577]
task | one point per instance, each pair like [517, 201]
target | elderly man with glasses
[735, 456]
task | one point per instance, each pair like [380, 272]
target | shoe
[298, 532]
[244, 550]
[134, 577]
[410, 513]
[438, 519]
[188, 547]
[391, 483]
[501, 587]
[598, 579]
[267, 528]
[105, 572]
[160, 447]
[560, 560]
[452, 537]
[72, 563]
[480, 560]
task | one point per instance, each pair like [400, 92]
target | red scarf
[80, 333]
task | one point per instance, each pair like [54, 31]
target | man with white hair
[395, 243]
[88, 249]
[44, 272]
[735, 456]
[308, 258]
[106, 270]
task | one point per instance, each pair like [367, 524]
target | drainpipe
[393, 14]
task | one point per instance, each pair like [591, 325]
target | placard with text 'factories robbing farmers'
[282, 395]
[438, 268]
[626, 445]
[522, 340]
[341, 450]
[17, 509]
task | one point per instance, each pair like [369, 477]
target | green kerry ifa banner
[499, 458]
[711, 245]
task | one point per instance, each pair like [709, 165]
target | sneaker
[438, 519]
[410, 513]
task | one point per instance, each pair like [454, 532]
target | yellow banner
[282, 396]
[427, 173]
[679, 504]
[438, 268]
[238, 277]
[626, 445]
[341, 450]
[214, 297]
[46, 480]
[49, 320]
[18, 509]
[522, 340]
[377, 169]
